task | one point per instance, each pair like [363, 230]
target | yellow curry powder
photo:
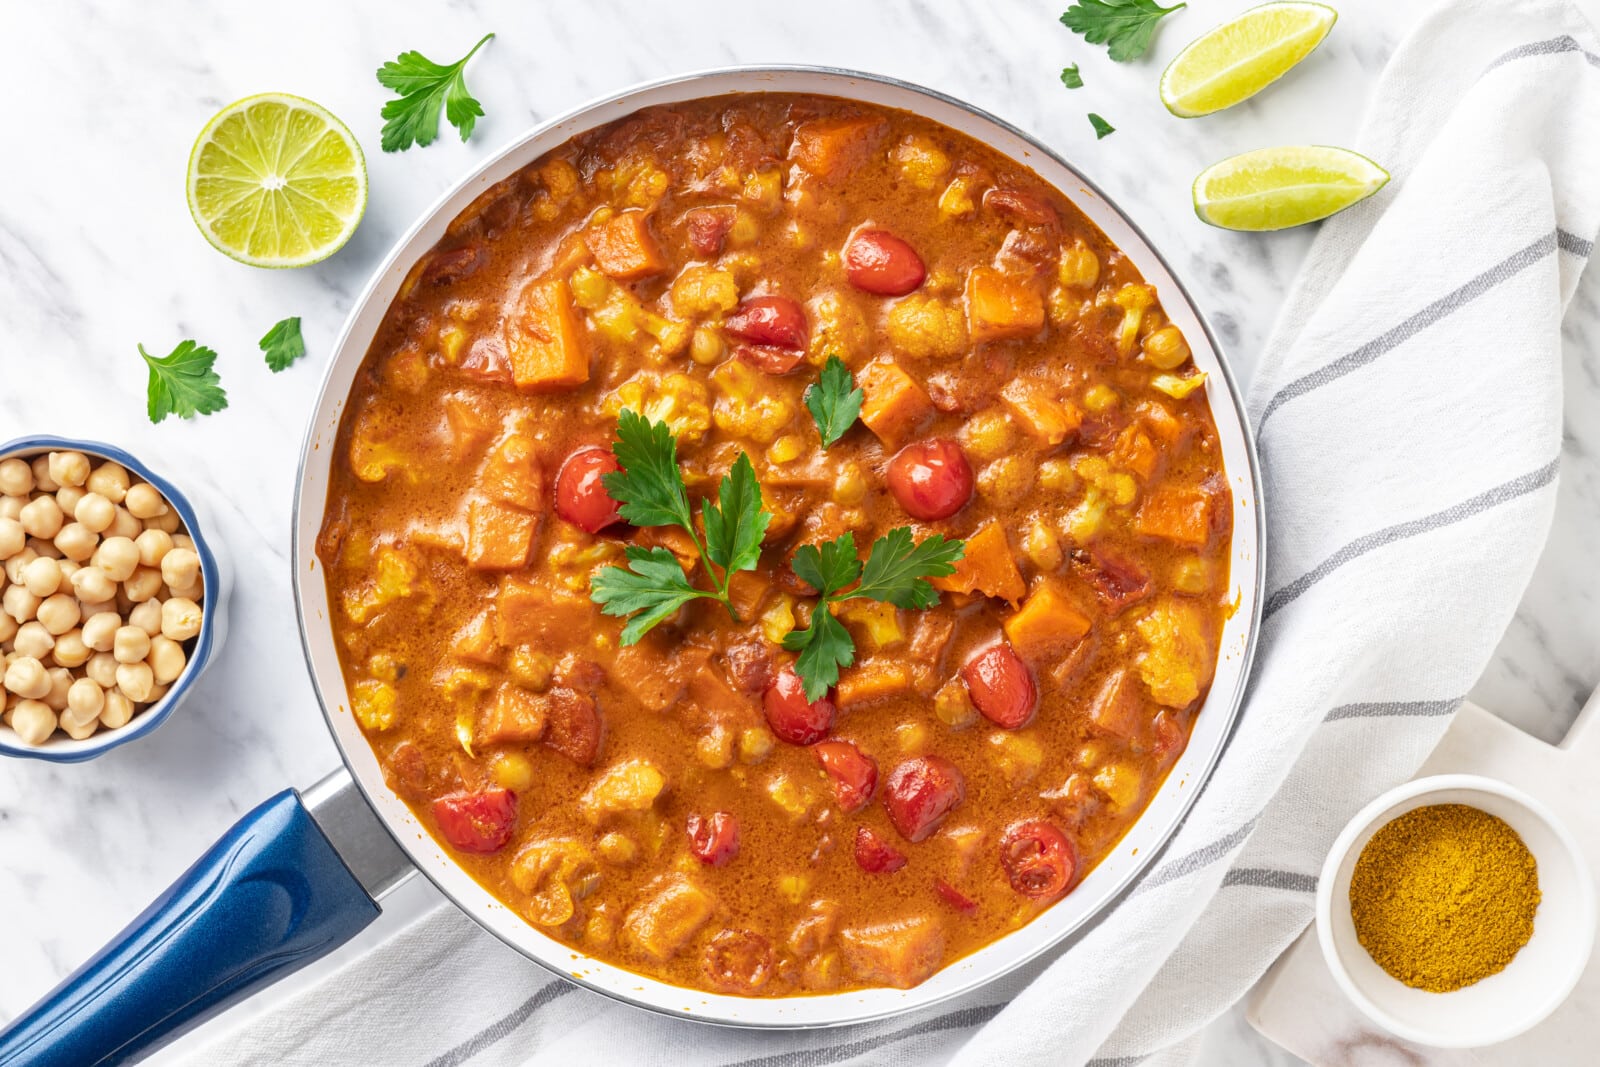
[1444, 896]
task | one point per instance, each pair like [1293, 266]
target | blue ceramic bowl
[63, 749]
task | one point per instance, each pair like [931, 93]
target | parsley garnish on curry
[658, 397]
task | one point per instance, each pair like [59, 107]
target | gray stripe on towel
[816, 1057]
[497, 1031]
[1118, 1061]
[1500, 494]
[1394, 709]
[1554, 46]
[1267, 878]
[1193, 861]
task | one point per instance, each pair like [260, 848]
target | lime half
[277, 181]
[1240, 58]
[1274, 188]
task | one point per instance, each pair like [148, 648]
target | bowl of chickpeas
[110, 599]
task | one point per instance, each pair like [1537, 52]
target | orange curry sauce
[698, 263]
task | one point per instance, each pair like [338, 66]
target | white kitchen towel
[1409, 413]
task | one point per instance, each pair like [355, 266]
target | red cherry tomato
[477, 822]
[769, 360]
[792, 717]
[878, 262]
[1038, 858]
[955, 897]
[875, 855]
[854, 775]
[739, 961]
[708, 226]
[714, 839]
[1170, 739]
[581, 496]
[931, 479]
[769, 320]
[1001, 686]
[920, 792]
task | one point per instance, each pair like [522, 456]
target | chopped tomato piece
[624, 248]
[1001, 686]
[581, 496]
[920, 792]
[749, 665]
[775, 321]
[1171, 737]
[708, 227]
[875, 855]
[1118, 582]
[714, 839]
[1020, 208]
[739, 961]
[1039, 859]
[931, 479]
[477, 822]
[447, 268]
[792, 717]
[854, 774]
[955, 897]
[575, 725]
[769, 360]
[878, 262]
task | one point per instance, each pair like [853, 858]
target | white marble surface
[97, 253]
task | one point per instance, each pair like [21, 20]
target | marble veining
[97, 253]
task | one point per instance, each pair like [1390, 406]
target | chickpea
[34, 640]
[69, 468]
[510, 770]
[16, 479]
[1006, 480]
[70, 650]
[849, 485]
[76, 542]
[92, 586]
[11, 506]
[95, 513]
[60, 684]
[44, 548]
[59, 613]
[180, 568]
[26, 677]
[1042, 546]
[124, 525]
[167, 661]
[183, 541]
[157, 691]
[41, 475]
[117, 711]
[130, 645]
[85, 698]
[135, 680]
[153, 546]
[41, 517]
[168, 523]
[144, 584]
[68, 497]
[110, 480]
[144, 501]
[15, 564]
[102, 667]
[180, 618]
[118, 557]
[76, 728]
[195, 592]
[12, 538]
[33, 721]
[988, 435]
[42, 577]
[20, 604]
[146, 616]
[1166, 348]
[8, 630]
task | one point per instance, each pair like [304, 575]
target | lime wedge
[1274, 188]
[1240, 58]
[277, 181]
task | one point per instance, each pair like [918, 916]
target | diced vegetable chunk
[1046, 625]
[832, 148]
[1047, 417]
[1179, 655]
[477, 822]
[533, 613]
[988, 567]
[926, 327]
[514, 716]
[872, 681]
[513, 475]
[1178, 514]
[545, 342]
[894, 406]
[575, 726]
[498, 537]
[901, 953]
[624, 248]
[665, 921]
[632, 785]
[1000, 306]
[373, 704]
[1119, 708]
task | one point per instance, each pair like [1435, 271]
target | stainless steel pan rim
[1177, 794]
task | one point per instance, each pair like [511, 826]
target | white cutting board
[1297, 1004]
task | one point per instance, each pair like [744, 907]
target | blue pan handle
[270, 897]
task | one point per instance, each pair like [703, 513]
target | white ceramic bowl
[63, 749]
[1503, 1005]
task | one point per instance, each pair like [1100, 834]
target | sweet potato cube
[638, 670]
[746, 591]
[514, 716]
[1162, 422]
[665, 921]
[469, 422]
[1178, 514]
[901, 953]
[872, 681]
[475, 641]
[1135, 451]
[513, 474]
[832, 148]
[1118, 707]
[624, 248]
[498, 537]
[674, 540]
[1045, 416]
[893, 406]
[545, 341]
[988, 567]
[1047, 624]
[529, 613]
[1000, 306]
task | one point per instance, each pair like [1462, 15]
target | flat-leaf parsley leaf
[182, 383]
[1123, 26]
[283, 344]
[1071, 78]
[425, 87]
[834, 401]
[1101, 126]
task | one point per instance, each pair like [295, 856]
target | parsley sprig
[834, 401]
[182, 383]
[283, 344]
[425, 87]
[650, 490]
[1125, 27]
[896, 572]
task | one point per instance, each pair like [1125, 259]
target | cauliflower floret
[1178, 659]
[921, 161]
[396, 578]
[923, 327]
[554, 874]
[373, 704]
[745, 407]
[702, 290]
[618, 315]
[676, 399]
[838, 329]
[956, 200]
[632, 785]
[1134, 300]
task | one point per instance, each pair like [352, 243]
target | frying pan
[302, 873]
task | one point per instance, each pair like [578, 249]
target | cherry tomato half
[875, 855]
[955, 897]
[769, 320]
[854, 775]
[477, 822]
[1039, 859]
[792, 717]
[920, 792]
[739, 961]
[931, 479]
[714, 839]
[769, 360]
[878, 262]
[707, 227]
[1001, 686]
[581, 496]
